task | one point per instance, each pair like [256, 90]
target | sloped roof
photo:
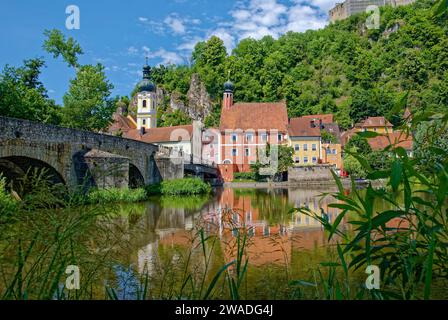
[326, 118]
[374, 122]
[302, 127]
[163, 134]
[256, 116]
[333, 129]
[121, 123]
[398, 139]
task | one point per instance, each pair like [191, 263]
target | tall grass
[408, 241]
[179, 187]
[116, 195]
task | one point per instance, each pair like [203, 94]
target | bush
[116, 195]
[186, 186]
[7, 203]
[245, 176]
[353, 167]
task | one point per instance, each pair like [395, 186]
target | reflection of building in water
[273, 231]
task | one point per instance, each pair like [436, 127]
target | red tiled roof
[256, 116]
[398, 139]
[121, 123]
[326, 118]
[163, 134]
[301, 127]
[374, 122]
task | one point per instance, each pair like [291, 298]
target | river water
[281, 245]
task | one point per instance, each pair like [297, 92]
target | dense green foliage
[7, 203]
[116, 195]
[360, 144]
[57, 45]
[244, 176]
[343, 68]
[22, 94]
[87, 104]
[431, 142]
[185, 186]
[272, 163]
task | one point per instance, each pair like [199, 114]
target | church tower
[228, 95]
[146, 101]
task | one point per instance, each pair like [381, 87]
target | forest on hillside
[345, 68]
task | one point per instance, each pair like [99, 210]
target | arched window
[227, 161]
[144, 103]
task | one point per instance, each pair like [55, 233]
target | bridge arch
[136, 179]
[15, 167]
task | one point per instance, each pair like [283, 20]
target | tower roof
[229, 86]
[146, 85]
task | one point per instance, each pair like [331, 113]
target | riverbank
[297, 184]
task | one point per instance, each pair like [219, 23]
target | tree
[87, 104]
[359, 145]
[353, 167]
[23, 95]
[430, 144]
[57, 45]
[284, 160]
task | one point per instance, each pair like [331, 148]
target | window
[305, 159]
[314, 160]
[249, 137]
[328, 150]
[247, 152]
[297, 160]
[305, 147]
[297, 147]
[374, 129]
[234, 152]
[234, 137]
[144, 103]
[264, 137]
[313, 147]
[279, 137]
[335, 151]
[144, 121]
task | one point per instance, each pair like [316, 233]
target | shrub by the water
[7, 203]
[186, 186]
[245, 176]
[116, 195]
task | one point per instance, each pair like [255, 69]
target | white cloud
[167, 57]
[248, 18]
[132, 51]
[175, 23]
[303, 17]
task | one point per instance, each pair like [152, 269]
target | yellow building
[305, 138]
[376, 124]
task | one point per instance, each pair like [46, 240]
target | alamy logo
[373, 280]
[73, 21]
[72, 281]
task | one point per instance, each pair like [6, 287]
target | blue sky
[119, 34]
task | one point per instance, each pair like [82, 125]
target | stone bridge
[76, 157]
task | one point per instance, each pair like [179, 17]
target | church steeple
[146, 101]
[228, 94]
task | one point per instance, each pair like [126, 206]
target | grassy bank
[180, 187]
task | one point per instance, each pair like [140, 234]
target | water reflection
[275, 231]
